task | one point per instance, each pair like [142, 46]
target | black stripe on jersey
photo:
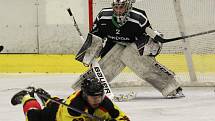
[138, 15]
[108, 105]
[108, 12]
[77, 103]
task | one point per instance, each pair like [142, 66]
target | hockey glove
[42, 94]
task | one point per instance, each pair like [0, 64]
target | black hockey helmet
[92, 87]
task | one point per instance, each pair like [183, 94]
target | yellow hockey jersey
[107, 110]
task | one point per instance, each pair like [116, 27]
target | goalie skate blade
[175, 97]
[124, 97]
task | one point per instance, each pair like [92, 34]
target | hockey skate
[17, 98]
[176, 93]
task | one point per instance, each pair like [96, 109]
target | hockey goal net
[198, 16]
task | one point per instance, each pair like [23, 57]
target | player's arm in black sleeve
[146, 23]
[150, 32]
[142, 37]
[114, 111]
[96, 30]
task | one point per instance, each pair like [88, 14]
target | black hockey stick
[188, 36]
[1, 48]
[75, 23]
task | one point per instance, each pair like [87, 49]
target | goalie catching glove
[153, 47]
[147, 45]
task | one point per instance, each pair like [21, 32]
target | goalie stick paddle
[100, 75]
[1, 48]
[188, 36]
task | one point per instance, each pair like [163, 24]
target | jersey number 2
[117, 31]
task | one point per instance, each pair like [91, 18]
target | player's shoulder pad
[107, 105]
[138, 16]
[77, 103]
[105, 13]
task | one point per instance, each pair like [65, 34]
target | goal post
[90, 11]
[198, 16]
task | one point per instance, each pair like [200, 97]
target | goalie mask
[121, 10]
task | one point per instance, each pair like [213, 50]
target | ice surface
[198, 105]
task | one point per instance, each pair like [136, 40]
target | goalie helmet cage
[194, 16]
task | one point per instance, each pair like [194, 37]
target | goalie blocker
[90, 49]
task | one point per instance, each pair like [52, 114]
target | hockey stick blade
[188, 36]
[125, 97]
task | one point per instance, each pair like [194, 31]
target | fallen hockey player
[87, 104]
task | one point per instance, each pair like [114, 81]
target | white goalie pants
[146, 67]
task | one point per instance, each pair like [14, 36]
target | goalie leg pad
[150, 70]
[110, 64]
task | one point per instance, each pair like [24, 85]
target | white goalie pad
[150, 70]
[110, 64]
[90, 49]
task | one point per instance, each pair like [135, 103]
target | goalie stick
[162, 40]
[188, 36]
[95, 65]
